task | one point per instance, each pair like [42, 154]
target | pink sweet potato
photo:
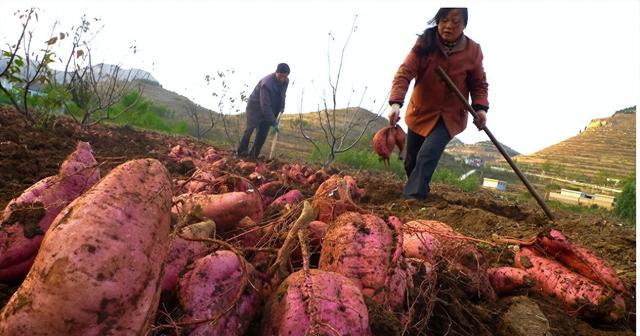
[361, 247]
[211, 286]
[183, 251]
[326, 302]
[386, 139]
[329, 187]
[507, 279]
[580, 294]
[226, 210]
[580, 259]
[271, 190]
[98, 269]
[291, 197]
[26, 218]
[433, 241]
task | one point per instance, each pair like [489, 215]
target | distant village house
[582, 198]
[494, 184]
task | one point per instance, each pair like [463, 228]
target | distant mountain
[484, 150]
[101, 70]
[606, 148]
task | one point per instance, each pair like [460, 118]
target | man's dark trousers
[261, 137]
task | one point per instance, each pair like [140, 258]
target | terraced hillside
[485, 150]
[605, 149]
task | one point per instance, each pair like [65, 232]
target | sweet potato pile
[237, 247]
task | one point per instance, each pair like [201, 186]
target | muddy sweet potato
[98, 269]
[434, 241]
[271, 190]
[580, 259]
[507, 279]
[226, 210]
[213, 284]
[361, 247]
[27, 218]
[326, 302]
[183, 251]
[579, 294]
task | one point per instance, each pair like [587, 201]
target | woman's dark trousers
[423, 154]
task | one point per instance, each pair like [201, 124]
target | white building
[494, 184]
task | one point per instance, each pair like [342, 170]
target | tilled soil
[28, 155]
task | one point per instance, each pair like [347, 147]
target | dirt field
[28, 155]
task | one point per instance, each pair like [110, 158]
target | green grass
[363, 159]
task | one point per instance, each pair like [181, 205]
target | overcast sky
[551, 65]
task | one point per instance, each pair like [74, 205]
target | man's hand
[394, 114]
[276, 127]
[481, 121]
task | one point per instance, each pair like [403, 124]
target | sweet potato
[580, 259]
[329, 187]
[325, 302]
[580, 294]
[291, 197]
[226, 210]
[434, 241]
[215, 283]
[183, 251]
[507, 279]
[271, 190]
[361, 247]
[332, 199]
[98, 269]
[27, 218]
[386, 139]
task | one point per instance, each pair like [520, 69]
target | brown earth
[28, 155]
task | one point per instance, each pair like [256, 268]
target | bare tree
[344, 135]
[26, 68]
[228, 103]
[202, 127]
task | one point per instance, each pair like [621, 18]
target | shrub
[626, 203]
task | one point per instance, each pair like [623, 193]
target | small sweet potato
[326, 302]
[507, 279]
[183, 251]
[226, 210]
[215, 283]
[291, 197]
[98, 269]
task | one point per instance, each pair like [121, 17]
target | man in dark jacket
[265, 104]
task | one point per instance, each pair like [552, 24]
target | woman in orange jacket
[435, 114]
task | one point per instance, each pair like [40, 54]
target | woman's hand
[481, 121]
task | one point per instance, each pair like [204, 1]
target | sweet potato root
[325, 302]
[386, 139]
[580, 259]
[216, 292]
[98, 269]
[586, 297]
[27, 218]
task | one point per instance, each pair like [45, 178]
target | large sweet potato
[361, 247]
[217, 288]
[580, 259]
[226, 210]
[316, 303]
[580, 294]
[26, 218]
[507, 279]
[98, 269]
